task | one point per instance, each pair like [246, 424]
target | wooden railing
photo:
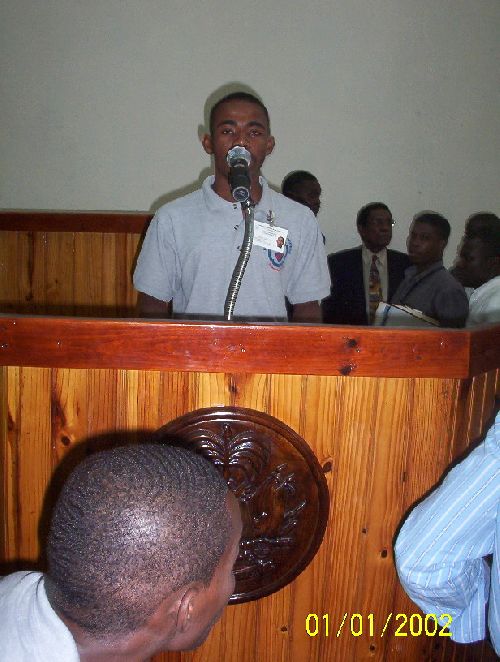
[384, 412]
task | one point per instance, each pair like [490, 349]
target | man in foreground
[428, 287]
[140, 552]
[363, 277]
[192, 245]
[440, 551]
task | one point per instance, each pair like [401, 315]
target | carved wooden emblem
[280, 486]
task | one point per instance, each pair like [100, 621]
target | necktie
[375, 288]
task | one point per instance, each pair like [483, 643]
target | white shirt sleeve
[157, 272]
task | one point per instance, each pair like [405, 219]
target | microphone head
[237, 154]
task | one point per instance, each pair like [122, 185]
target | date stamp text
[404, 625]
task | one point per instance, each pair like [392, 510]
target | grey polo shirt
[192, 245]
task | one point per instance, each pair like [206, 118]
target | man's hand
[148, 306]
[309, 311]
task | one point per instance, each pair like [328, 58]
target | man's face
[239, 122]
[377, 233]
[473, 267]
[425, 245]
[308, 193]
[214, 598]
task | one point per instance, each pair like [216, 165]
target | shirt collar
[217, 204]
[367, 254]
[412, 271]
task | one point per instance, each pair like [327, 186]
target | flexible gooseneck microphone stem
[239, 269]
[238, 159]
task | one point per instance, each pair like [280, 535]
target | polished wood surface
[23, 220]
[227, 347]
[385, 440]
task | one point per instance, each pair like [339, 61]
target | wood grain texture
[8, 494]
[69, 263]
[86, 273]
[241, 348]
[382, 442]
[25, 220]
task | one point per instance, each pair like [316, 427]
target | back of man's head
[295, 179]
[131, 526]
[482, 224]
[303, 187]
[485, 226]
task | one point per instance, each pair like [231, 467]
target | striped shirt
[441, 547]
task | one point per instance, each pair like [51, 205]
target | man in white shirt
[478, 266]
[140, 552]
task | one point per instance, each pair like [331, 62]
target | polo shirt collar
[412, 271]
[217, 204]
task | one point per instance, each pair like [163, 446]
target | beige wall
[101, 101]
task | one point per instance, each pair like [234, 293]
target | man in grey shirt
[193, 243]
[428, 286]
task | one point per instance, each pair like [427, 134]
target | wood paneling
[381, 441]
[67, 273]
[69, 263]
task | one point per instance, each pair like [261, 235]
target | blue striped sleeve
[441, 547]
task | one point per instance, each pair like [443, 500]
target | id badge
[269, 236]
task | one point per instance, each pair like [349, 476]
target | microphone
[238, 159]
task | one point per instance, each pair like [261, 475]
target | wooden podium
[384, 412]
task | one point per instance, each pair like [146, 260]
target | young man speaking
[193, 244]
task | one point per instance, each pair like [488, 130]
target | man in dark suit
[364, 276]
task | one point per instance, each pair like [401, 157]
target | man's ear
[206, 141]
[185, 610]
[270, 145]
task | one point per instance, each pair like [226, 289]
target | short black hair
[364, 212]
[238, 96]
[482, 220]
[437, 221]
[294, 179]
[132, 525]
[485, 226]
